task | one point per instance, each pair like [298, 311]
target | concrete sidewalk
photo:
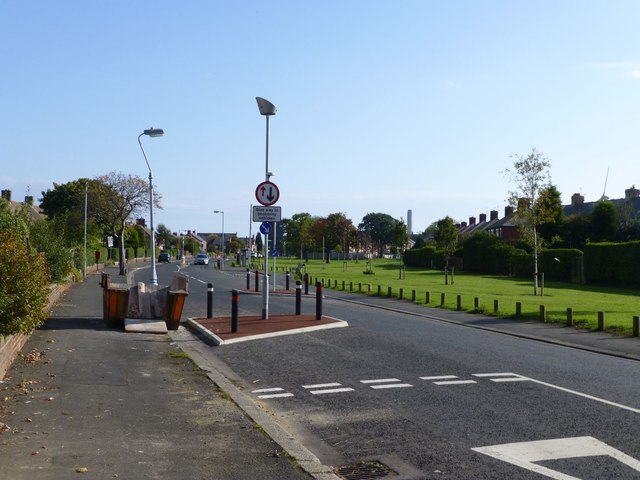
[84, 399]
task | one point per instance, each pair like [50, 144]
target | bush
[23, 285]
[612, 262]
[58, 258]
[486, 253]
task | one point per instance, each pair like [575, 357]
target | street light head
[265, 106]
[154, 132]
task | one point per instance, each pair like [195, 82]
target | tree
[259, 243]
[603, 222]
[298, 233]
[400, 236]
[530, 174]
[551, 201]
[163, 235]
[379, 229]
[120, 197]
[23, 288]
[445, 237]
[340, 232]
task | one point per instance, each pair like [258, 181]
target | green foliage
[603, 224]
[612, 262]
[420, 257]
[379, 229]
[486, 253]
[23, 285]
[446, 236]
[557, 263]
[58, 257]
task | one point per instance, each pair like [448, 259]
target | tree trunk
[123, 260]
[535, 261]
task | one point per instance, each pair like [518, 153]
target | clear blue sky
[383, 106]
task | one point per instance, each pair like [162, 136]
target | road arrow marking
[524, 454]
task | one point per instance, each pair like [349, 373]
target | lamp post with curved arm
[151, 132]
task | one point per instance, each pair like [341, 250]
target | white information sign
[267, 214]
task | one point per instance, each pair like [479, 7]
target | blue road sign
[274, 253]
[265, 228]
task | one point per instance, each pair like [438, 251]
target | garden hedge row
[612, 262]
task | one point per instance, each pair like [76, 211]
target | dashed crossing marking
[324, 388]
[268, 393]
[503, 377]
[447, 380]
[385, 383]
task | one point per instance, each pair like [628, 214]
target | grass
[618, 304]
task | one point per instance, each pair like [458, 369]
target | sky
[382, 105]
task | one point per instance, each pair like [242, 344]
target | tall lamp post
[267, 109]
[151, 132]
[222, 240]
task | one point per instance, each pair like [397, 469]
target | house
[34, 211]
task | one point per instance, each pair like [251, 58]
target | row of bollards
[235, 300]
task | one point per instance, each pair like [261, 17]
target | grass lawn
[619, 305]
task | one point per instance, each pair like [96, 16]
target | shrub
[612, 262]
[23, 285]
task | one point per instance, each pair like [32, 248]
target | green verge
[618, 304]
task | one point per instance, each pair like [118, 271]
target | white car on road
[202, 259]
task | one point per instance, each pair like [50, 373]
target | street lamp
[151, 132]
[222, 240]
[267, 109]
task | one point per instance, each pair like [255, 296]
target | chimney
[463, 224]
[6, 194]
[508, 210]
[141, 222]
[472, 220]
[631, 193]
[28, 199]
[577, 199]
[493, 215]
[483, 217]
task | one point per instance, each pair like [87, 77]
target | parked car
[164, 257]
[202, 259]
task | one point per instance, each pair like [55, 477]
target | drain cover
[364, 471]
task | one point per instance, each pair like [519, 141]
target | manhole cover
[364, 471]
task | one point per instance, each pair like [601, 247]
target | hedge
[612, 262]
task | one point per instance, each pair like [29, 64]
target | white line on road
[322, 385]
[391, 385]
[382, 380]
[439, 377]
[268, 390]
[331, 390]
[276, 395]
[455, 382]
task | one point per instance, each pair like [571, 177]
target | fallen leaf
[82, 470]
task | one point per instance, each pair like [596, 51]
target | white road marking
[524, 454]
[391, 385]
[331, 390]
[276, 395]
[440, 377]
[455, 382]
[325, 388]
[503, 377]
[322, 385]
[382, 380]
[267, 390]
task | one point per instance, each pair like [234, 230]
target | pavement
[83, 399]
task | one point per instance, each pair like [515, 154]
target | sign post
[265, 229]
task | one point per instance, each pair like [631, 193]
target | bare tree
[530, 174]
[121, 197]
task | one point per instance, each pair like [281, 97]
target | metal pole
[85, 229]
[298, 297]
[235, 299]
[275, 256]
[318, 300]
[154, 275]
[265, 281]
[209, 300]
[223, 244]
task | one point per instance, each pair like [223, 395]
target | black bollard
[298, 297]
[306, 284]
[288, 279]
[209, 300]
[235, 298]
[257, 281]
[318, 300]
[248, 279]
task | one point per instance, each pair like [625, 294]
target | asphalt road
[435, 400]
